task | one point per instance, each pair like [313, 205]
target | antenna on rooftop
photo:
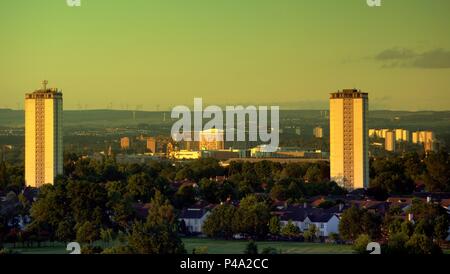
[44, 85]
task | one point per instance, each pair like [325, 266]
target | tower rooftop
[349, 93]
[44, 90]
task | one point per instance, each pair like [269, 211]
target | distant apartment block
[211, 139]
[151, 144]
[390, 140]
[318, 132]
[125, 143]
[402, 135]
[426, 138]
[378, 133]
[43, 136]
[349, 161]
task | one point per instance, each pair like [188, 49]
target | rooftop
[44, 90]
[349, 93]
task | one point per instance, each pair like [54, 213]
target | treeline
[402, 174]
[422, 232]
[97, 200]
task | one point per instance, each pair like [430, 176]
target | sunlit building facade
[211, 139]
[125, 143]
[426, 138]
[318, 132]
[389, 142]
[43, 136]
[349, 161]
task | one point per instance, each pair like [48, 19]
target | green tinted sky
[165, 52]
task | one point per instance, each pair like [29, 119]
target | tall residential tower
[43, 136]
[349, 161]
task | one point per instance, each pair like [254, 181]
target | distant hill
[435, 120]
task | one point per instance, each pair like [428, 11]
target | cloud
[403, 57]
[395, 54]
[434, 59]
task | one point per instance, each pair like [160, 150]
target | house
[326, 223]
[194, 218]
[303, 216]
[379, 207]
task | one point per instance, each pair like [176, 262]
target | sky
[155, 54]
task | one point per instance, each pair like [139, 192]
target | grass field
[219, 247]
[223, 247]
[237, 247]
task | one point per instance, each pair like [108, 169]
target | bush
[200, 250]
[397, 243]
[333, 238]
[6, 251]
[360, 244]
[270, 251]
[117, 250]
[251, 248]
[91, 249]
[421, 244]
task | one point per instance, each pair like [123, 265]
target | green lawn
[222, 247]
[218, 247]
[237, 247]
[51, 248]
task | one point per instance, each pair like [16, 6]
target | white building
[194, 218]
[326, 221]
[349, 159]
[325, 224]
[43, 136]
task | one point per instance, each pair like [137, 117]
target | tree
[310, 234]
[393, 182]
[251, 248]
[185, 196]
[355, 221]
[209, 191]
[87, 233]
[159, 234]
[140, 187]
[290, 230]
[421, 244]
[274, 225]
[252, 217]
[65, 231]
[437, 177]
[441, 226]
[219, 222]
[119, 204]
[397, 243]
[313, 174]
[49, 209]
[88, 202]
[350, 226]
[431, 219]
[278, 192]
[106, 235]
[360, 245]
